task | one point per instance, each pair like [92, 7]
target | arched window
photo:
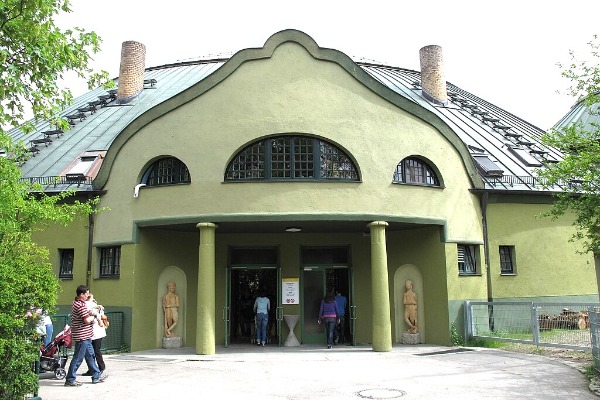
[166, 171]
[291, 157]
[415, 171]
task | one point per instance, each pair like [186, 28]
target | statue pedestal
[411, 338]
[291, 321]
[172, 342]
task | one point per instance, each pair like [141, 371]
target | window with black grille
[166, 171]
[110, 262]
[291, 158]
[65, 269]
[467, 261]
[507, 261]
[413, 170]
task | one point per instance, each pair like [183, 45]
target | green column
[205, 317]
[382, 324]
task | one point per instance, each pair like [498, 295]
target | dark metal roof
[580, 113]
[507, 148]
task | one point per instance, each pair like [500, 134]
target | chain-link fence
[594, 313]
[565, 325]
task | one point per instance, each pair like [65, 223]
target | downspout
[486, 256]
[486, 246]
[88, 275]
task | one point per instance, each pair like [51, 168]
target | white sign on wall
[290, 291]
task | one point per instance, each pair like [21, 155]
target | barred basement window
[415, 171]
[65, 268]
[110, 262]
[507, 262]
[166, 171]
[467, 264]
[291, 158]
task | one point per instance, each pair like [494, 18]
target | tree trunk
[597, 264]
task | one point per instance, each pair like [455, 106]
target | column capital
[378, 223]
[206, 225]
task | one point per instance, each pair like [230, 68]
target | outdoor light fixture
[293, 229]
[136, 189]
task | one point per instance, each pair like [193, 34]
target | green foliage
[34, 54]
[579, 172]
[455, 337]
[26, 276]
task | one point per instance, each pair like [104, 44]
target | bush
[455, 338]
[26, 277]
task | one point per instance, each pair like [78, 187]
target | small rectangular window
[65, 268]
[110, 262]
[487, 166]
[507, 260]
[467, 261]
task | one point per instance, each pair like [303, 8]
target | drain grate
[451, 351]
[380, 393]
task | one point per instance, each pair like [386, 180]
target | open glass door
[351, 306]
[324, 269]
[313, 290]
[279, 309]
[226, 313]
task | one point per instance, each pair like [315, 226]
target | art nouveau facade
[293, 163]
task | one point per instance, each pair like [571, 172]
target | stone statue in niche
[170, 309]
[410, 307]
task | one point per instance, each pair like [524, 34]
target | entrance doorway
[254, 270]
[329, 271]
[245, 286]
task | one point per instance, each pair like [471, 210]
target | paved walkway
[248, 372]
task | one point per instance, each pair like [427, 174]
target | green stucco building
[294, 169]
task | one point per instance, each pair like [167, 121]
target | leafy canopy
[579, 171]
[34, 54]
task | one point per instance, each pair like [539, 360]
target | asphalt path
[344, 372]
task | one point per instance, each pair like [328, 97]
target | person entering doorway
[340, 329]
[262, 306]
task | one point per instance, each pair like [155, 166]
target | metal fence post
[593, 319]
[468, 321]
[535, 324]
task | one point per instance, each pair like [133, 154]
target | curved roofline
[250, 54]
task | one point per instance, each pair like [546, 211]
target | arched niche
[171, 274]
[404, 273]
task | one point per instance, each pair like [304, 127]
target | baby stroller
[53, 357]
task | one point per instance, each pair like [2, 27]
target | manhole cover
[380, 393]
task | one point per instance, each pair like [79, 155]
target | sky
[505, 52]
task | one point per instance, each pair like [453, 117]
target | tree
[579, 171]
[34, 54]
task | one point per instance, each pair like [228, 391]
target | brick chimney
[433, 81]
[131, 73]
